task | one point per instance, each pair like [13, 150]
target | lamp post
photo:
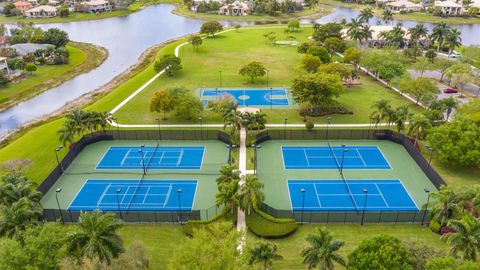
[429, 148]
[369, 127]
[58, 190]
[343, 157]
[56, 156]
[143, 160]
[117, 191]
[329, 121]
[221, 83]
[201, 127]
[426, 205]
[303, 203]
[179, 192]
[365, 191]
[159, 131]
[285, 129]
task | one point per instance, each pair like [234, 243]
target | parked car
[450, 91]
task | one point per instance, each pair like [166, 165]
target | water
[126, 38]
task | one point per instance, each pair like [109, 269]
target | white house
[41, 12]
[403, 6]
[97, 6]
[235, 9]
[449, 7]
[196, 3]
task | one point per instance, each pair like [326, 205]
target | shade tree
[170, 63]
[320, 52]
[196, 41]
[253, 70]
[210, 28]
[310, 63]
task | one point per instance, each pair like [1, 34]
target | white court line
[180, 157]
[167, 197]
[103, 195]
[316, 192]
[161, 158]
[360, 155]
[125, 157]
[125, 194]
[145, 195]
[381, 195]
[306, 157]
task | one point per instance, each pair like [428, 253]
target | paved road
[470, 88]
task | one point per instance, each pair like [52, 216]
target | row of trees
[79, 122]
[178, 99]
[28, 33]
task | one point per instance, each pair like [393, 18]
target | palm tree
[419, 123]
[66, 134]
[17, 217]
[449, 104]
[263, 252]
[453, 40]
[466, 238]
[228, 174]
[249, 121]
[366, 32]
[439, 33]
[402, 116]
[260, 119]
[387, 16]
[79, 118]
[382, 107]
[250, 193]
[96, 237]
[443, 202]
[233, 119]
[396, 36]
[354, 31]
[13, 188]
[322, 251]
[365, 15]
[417, 32]
[227, 195]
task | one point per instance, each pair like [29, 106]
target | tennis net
[143, 175]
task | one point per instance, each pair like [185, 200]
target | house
[26, 48]
[449, 7]
[41, 12]
[235, 9]
[97, 6]
[23, 6]
[196, 3]
[403, 6]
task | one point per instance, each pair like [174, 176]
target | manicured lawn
[291, 247]
[83, 57]
[160, 241]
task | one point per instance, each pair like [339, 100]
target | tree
[443, 204]
[293, 25]
[170, 63]
[17, 217]
[431, 55]
[465, 240]
[319, 52]
[188, 106]
[443, 65]
[322, 251]
[459, 75]
[237, 27]
[470, 111]
[381, 252]
[66, 134]
[311, 63]
[253, 69]
[419, 124]
[315, 89]
[210, 28]
[264, 253]
[354, 30]
[162, 101]
[387, 16]
[352, 56]
[449, 104]
[250, 193]
[456, 142]
[453, 39]
[345, 72]
[417, 32]
[324, 31]
[422, 65]
[30, 67]
[449, 263]
[63, 11]
[96, 237]
[365, 15]
[418, 87]
[382, 108]
[196, 41]
[227, 195]
[56, 37]
[422, 253]
[334, 45]
[14, 187]
[228, 174]
[440, 33]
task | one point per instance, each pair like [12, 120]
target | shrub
[195, 224]
[434, 226]
[264, 225]
[309, 125]
[446, 229]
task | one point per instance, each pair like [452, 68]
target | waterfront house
[23, 6]
[403, 6]
[97, 6]
[235, 9]
[41, 12]
[449, 8]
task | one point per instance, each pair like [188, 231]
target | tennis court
[337, 195]
[248, 97]
[151, 157]
[135, 195]
[333, 157]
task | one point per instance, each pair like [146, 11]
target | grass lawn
[83, 57]
[291, 246]
[307, 13]
[228, 52]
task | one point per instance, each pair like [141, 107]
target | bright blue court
[151, 157]
[335, 195]
[248, 97]
[324, 157]
[135, 195]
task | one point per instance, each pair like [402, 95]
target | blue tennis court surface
[334, 195]
[162, 157]
[135, 195]
[248, 97]
[322, 157]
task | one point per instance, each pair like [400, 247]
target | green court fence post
[365, 191]
[201, 127]
[179, 192]
[303, 203]
[159, 131]
[329, 121]
[117, 191]
[426, 205]
[57, 191]
[285, 129]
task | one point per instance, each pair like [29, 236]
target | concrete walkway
[242, 162]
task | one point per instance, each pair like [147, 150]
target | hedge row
[264, 225]
[191, 225]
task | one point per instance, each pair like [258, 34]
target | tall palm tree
[466, 238]
[354, 30]
[366, 32]
[12, 190]
[365, 15]
[79, 118]
[417, 32]
[17, 217]
[260, 119]
[249, 121]
[402, 116]
[228, 174]
[440, 33]
[449, 104]
[263, 253]
[66, 134]
[419, 124]
[381, 109]
[396, 36]
[250, 193]
[227, 195]
[453, 40]
[443, 202]
[323, 251]
[234, 120]
[387, 16]
[96, 237]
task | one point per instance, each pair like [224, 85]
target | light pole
[143, 160]
[426, 205]
[329, 121]
[201, 127]
[303, 203]
[179, 192]
[271, 98]
[343, 157]
[369, 127]
[117, 191]
[429, 148]
[365, 191]
[285, 129]
[221, 83]
[56, 156]
[159, 131]
[255, 159]
[58, 190]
